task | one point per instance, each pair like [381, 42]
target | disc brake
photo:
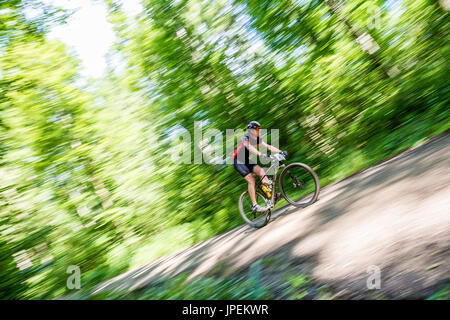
[297, 183]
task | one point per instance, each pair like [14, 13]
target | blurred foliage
[86, 176]
[443, 294]
[297, 286]
[249, 286]
[180, 288]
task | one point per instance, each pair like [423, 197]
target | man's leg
[251, 187]
[260, 172]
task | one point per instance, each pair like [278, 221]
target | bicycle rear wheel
[257, 219]
[299, 184]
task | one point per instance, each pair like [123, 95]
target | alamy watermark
[374, 13]
[212, 146]
[74, 280]
[374, 280]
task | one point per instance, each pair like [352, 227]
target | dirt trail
[395, 215]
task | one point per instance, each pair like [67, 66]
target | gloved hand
[284, 153]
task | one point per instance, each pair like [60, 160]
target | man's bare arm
[270, 148]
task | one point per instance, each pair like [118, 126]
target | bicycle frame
[275, 166]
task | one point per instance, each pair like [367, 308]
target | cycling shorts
[243, 169]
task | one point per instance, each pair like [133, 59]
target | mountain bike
[299, 186]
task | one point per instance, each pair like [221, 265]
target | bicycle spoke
[255, 219]
[299, 185]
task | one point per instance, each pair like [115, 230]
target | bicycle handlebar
[277, 157]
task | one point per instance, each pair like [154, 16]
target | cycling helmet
[253, 125]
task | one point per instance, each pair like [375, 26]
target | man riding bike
[243, 165]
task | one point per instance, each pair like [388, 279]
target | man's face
[255, 132]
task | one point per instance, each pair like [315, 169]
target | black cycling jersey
[242, 154]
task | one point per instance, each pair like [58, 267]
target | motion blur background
[93, 95]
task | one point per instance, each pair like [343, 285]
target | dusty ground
[395, 216]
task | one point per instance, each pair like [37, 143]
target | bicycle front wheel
[254, 219]
[299, 184]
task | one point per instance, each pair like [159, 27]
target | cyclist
[243, 165]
